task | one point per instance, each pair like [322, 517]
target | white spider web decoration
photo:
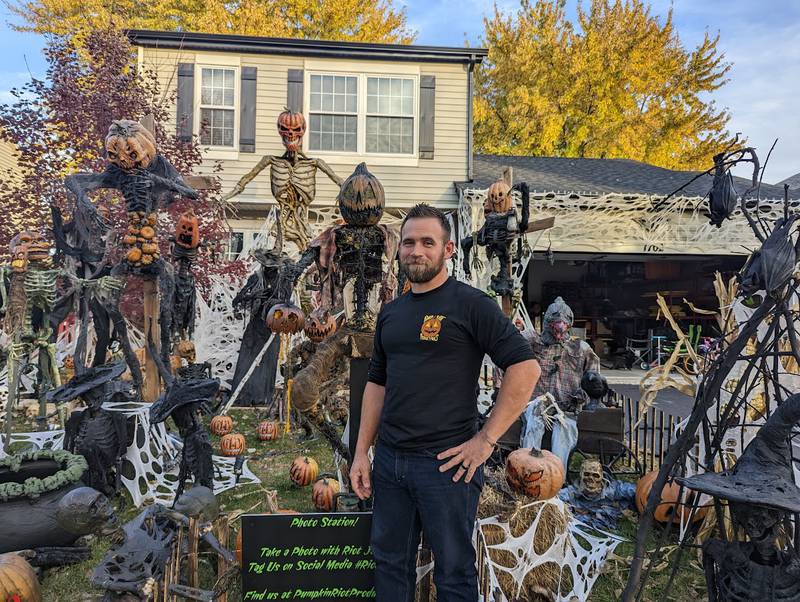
[151, 465]
[578, 551]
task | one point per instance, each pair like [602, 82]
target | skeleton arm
[248, 177]
[328, 171]
[174, 181]
[85, 215]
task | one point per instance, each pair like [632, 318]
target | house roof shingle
[602, 176]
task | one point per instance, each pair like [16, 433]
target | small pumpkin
[149, 248]
[498, 198]
[533, 472]
[361, 198]
[667, 508]
[323, 491]
[147, 232]
[303, 471]
[221, 425]
[18, 580]
[232, 444]
[130, 145]
[267, 430]
[129, 240]
[134, 255]
[291, 128]
[319, 325]
[285, 318]
[187, 231]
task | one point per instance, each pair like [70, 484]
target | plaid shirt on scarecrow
[562, 364]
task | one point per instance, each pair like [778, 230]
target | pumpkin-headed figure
[361, 198]
[498, 198]
[319, 325]
[130, 145]
[187, 231]
[292, 128]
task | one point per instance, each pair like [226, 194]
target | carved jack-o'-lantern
[232, 444]
[221, 425]
[536, 473]
[267, 430]
[18, 580]
[319, 325]
[498, 198]
[361, 198]
[130, 145]
[27, 247]
[292, 128]
[323, 491]
[187, 232]
[667, 508]
[186, 351]
[303, 471]
[285, 318]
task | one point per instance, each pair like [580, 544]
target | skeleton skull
[85, 510]
[28, 247]
[591, 479]
[185, 350]
[292, 128]
[129, 145]
[498, 198]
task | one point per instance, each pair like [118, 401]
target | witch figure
[762, 494]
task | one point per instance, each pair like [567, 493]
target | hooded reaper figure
[563, 361]
[761, 494]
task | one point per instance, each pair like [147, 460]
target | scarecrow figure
[99, 435]
[501, 228]
[762, 495]
[293, 179]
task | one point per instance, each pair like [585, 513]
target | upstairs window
[333, 113]
[217, 107]
[390, 115]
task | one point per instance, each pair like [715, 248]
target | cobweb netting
[549, 552]
[150, 467]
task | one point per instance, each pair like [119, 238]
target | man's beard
[418, 273]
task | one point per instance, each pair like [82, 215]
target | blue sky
[761, 39]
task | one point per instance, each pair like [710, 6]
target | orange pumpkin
[221, 425]
[150, 248]
[666, 510]
[303, 471]
[536, 473]
[322, 493]
[285, 318]
[130, 145]
[187, 231]
[232, 444]
[361, 198]
[498, 198]
[267, 430]
[129, 240]
[292, 128]
[134, 255]
[147, 232]
[18, 580]
[319, 325]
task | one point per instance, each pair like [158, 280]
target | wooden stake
[223, 531]
[194, 543]
[152, 330]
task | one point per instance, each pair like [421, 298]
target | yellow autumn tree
[616, 83]
[350, 20]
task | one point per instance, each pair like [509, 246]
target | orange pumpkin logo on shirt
[431, 326]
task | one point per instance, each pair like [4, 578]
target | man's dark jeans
[411, 494]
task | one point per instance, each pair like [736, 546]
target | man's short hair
[424, 210]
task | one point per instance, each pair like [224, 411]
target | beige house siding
[8, 162]
[406, 180]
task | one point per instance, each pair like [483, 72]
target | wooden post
[152, 330]
[194, 543]
[223, 531]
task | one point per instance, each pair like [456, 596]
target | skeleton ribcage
[135, 188]
[40, 288]
[301, 176]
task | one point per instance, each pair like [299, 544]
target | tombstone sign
[320, 557]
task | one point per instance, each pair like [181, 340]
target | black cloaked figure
[771, 267]
[722, 196]
[761, 492]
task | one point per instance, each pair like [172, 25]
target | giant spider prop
[146, 180]
[746, 381]
[293, 178]
[500, 230]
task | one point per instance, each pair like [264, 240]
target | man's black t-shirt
[428, 352]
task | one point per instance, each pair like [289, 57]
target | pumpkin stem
[536, 453]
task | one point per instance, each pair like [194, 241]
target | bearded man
[421, 403]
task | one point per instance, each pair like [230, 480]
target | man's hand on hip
[469, 455]
[360, 476]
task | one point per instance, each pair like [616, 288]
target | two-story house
[404, 110]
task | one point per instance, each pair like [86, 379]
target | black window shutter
[185, 102]
[247, 122]
[427, 110]
[294, 90]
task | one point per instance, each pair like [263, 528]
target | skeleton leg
[14, 369]
[130, 357]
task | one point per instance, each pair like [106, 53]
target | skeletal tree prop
[752, 375]
[293, 179]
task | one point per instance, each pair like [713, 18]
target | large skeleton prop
[293, 179]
